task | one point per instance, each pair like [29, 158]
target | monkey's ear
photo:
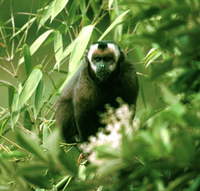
[122, 56]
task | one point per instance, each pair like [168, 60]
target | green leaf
[38, 180]
[27, 59]
[15, 102]
[110, 2]
[3, 125]
[46, 133]
[69, 77]
[46, 14]
[11, 92]
[27, 120]
[15, 110]
[27, 143]
[168, 96]
[38, 42]
[117, 21]
[66, 53]
[31, 168]
[69, 161]
[58, 6]
[77, 49]
[53, 146]
[82, 7]
[30, 86]
[95, 6]
[5, 165]
[16, 154]
[58, 46]
[142, 96]
[72, 13]
[152, 55]
[39, 97]
[80, 45]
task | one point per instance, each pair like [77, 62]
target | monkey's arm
[65, 119]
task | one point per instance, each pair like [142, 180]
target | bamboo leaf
[46, 133]
[58, 46]
[38, 98]
[110, 2]
[117, 21]
[30, 86]
[82, 7]
[58, 6]
[80, 45]
[3, 125]
[46, 14]
[95, 6]
[14, 118]
[27, 59]
[152, 55]
[27, 120]
[27, 143]
[66, 53]
[77, 50]
[11, 92]
[38, 42]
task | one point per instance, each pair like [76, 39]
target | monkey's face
[103, 57]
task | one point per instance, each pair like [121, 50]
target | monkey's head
[104, 58]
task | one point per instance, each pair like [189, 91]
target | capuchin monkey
[104, 75]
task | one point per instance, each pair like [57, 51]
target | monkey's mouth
[103, 76]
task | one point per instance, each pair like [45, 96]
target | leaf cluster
[160, 152]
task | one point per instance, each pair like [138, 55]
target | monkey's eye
[107, 59]
[97, 59]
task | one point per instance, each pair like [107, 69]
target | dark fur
[84, 95]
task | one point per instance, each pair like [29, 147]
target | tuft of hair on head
[101, 47]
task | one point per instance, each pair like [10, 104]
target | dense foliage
[160, 151]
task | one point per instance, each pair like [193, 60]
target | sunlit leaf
[110, 2]
[38, 42]
[117, 21]
[46, 15]
[165, 137]
[70, 76]
[58, 46]
[66, 53]
[58, 6]
[168, 96]
[53, 146]
[152, 55]
[30, 86]
[81, 43]
[3, 124]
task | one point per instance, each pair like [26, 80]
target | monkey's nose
[102, 65]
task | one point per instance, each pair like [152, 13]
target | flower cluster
[111, 135]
